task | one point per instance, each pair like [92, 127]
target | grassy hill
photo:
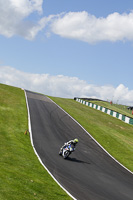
[21, 174]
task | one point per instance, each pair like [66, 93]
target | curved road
[89, 173]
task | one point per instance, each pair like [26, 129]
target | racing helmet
[75, 140]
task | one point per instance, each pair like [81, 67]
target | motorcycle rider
[73, 142]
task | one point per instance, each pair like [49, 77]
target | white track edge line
[31, 138]
[93, 138]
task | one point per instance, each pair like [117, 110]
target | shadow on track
[76, 160]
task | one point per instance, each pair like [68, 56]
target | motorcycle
[67, 150]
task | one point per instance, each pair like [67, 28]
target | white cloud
[75, 25]
[88, 28]
[64, 86]
[13, 14]
[29, 30]
[25, 7]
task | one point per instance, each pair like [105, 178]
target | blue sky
[83, 47]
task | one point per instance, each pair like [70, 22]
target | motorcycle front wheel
[66, 154]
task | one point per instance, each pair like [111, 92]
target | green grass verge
[21, 174]
[114, 135]
[122, 109]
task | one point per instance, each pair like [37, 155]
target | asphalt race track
[89, 173]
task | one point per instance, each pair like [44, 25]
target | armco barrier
[113, 113]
